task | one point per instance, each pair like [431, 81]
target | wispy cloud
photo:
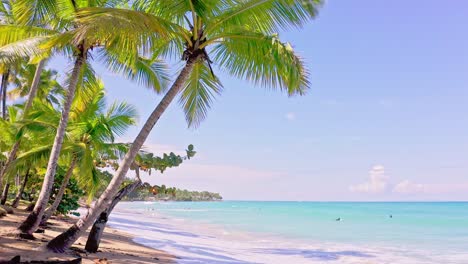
[290, 116]
[377, 182]
[162, 148]
[155, 148]
[232, 181]
[409, 187]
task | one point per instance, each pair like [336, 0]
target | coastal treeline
[58, 133]
[148, 192]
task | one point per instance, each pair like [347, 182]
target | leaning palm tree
[92, 132]
[241, 38]
[93, 25]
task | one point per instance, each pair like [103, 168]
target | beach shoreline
[145, 233]
[214, 243]
[116, 247]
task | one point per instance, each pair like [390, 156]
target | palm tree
[93, 131]
[33, 129]
[48, 88]
[95, 25]
[20, 191]
[31, 95]
[7, 17]
[242, 39]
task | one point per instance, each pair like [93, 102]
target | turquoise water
[438, 225]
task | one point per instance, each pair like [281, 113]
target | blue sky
[386, 118]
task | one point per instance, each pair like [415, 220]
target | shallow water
[301, 232]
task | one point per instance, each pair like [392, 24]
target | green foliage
[131, 38]
[71, 196]
[147, 162]
[240, 38]
[147, 192]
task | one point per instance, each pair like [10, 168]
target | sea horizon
[331, 201]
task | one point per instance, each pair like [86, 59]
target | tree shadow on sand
[198, 254]
[126, 224]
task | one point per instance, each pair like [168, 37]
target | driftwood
[17, 260]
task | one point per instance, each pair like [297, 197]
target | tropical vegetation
[59, 134]
[148, 192]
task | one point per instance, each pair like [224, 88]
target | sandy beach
[116, 246]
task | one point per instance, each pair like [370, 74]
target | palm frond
[23, 49]
[150, 73]
[262, 59]
[197, 96]
[267, 16]
[13, 33]
[122, 27]
[175, 10]
[119, 117]
[34, 11]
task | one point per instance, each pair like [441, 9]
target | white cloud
[290, 116]
[377, 182]
[407, 187]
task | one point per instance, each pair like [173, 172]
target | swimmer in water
[338, 219]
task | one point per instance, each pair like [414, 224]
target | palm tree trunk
[20, 191]
[67, 238]
[3, 89]
[34, 86]
[5, 193]
[32, 94]
[17, 180]
[51, 210]
[94, 237]
[33, 220]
